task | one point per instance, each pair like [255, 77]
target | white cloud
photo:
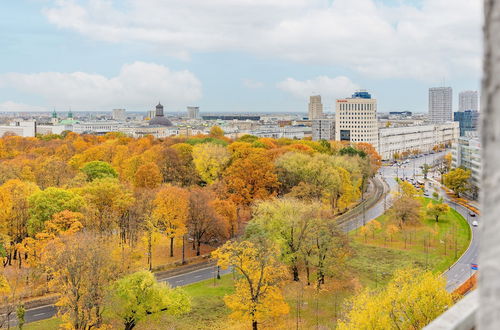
[137, 85]
[329, 88]
[19, 107]
[252, 84]
[438, 38]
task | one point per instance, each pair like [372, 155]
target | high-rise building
[467, 120]
[119, 114]
[323, 129]
[440, 104]
[193, 112]
[315, 107]
[356, 119]
[468, 100]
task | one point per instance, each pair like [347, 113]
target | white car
[474, 223]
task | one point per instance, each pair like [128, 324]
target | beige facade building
[356, 119]
[315, 107]
[423, 138]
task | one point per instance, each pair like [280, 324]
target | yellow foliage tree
[210, 160]
[373, 226]
[148, 176]
[257, 296]
[171, 212]
[411, 300]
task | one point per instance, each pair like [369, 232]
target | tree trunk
[295, 272]
[254, 325]
[171, 247]
[183, 252]
[307, 274]
[198, 248]
[129, 325]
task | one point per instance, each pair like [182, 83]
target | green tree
[425, 170]
[457, 180]
[137, 295]
[436, 210]
[44, 204]
[287, 222]
[98, 170]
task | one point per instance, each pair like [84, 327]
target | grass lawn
[432, 245]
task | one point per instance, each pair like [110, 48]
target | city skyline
[81, 64]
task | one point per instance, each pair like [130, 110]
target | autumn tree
[392, 230]
[14, 213]
[457, 180]
[216, 131]
[137, 295]
[176, 165]
[148, 176]
[210, 160]
[81, 268]
[325, 248]
[373, 227]
[436, 210]
[286, 222]
[425, 170]
[107, 201]
[226, 210]
[44, 204]
[251, 178]
[98, 170]
[257, 295]
[406, 211]
[411, 300]
[171, 212]
[203, 224]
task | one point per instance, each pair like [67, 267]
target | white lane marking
[39, 314]
[184, 274]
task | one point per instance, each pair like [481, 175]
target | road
[456, 275]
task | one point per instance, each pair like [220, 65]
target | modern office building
[323, 129]
[119, 114]
[466, 153]
[193, 112]
[315, 107]
[356, 119]
[397, 140]
[440, 104]
[468, 100]
[467, 120]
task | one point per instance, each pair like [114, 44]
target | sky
[234, 55]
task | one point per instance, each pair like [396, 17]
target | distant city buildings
[468, 121]
[193, 112]
[230, 117]
[315, 107]
[119, 114]
[468, 100]
[323, 129]
[356, 119]
[440, 104]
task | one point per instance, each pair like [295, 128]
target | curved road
[456, 275]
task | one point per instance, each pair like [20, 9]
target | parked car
[474, 223]
[472, 214]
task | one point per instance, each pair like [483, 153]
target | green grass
[432, 245]
[52, 323]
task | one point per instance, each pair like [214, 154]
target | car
[474, 223]
[472, 214]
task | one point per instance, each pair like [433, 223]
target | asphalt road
[456, 275]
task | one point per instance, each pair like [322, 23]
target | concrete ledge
[461, 316]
